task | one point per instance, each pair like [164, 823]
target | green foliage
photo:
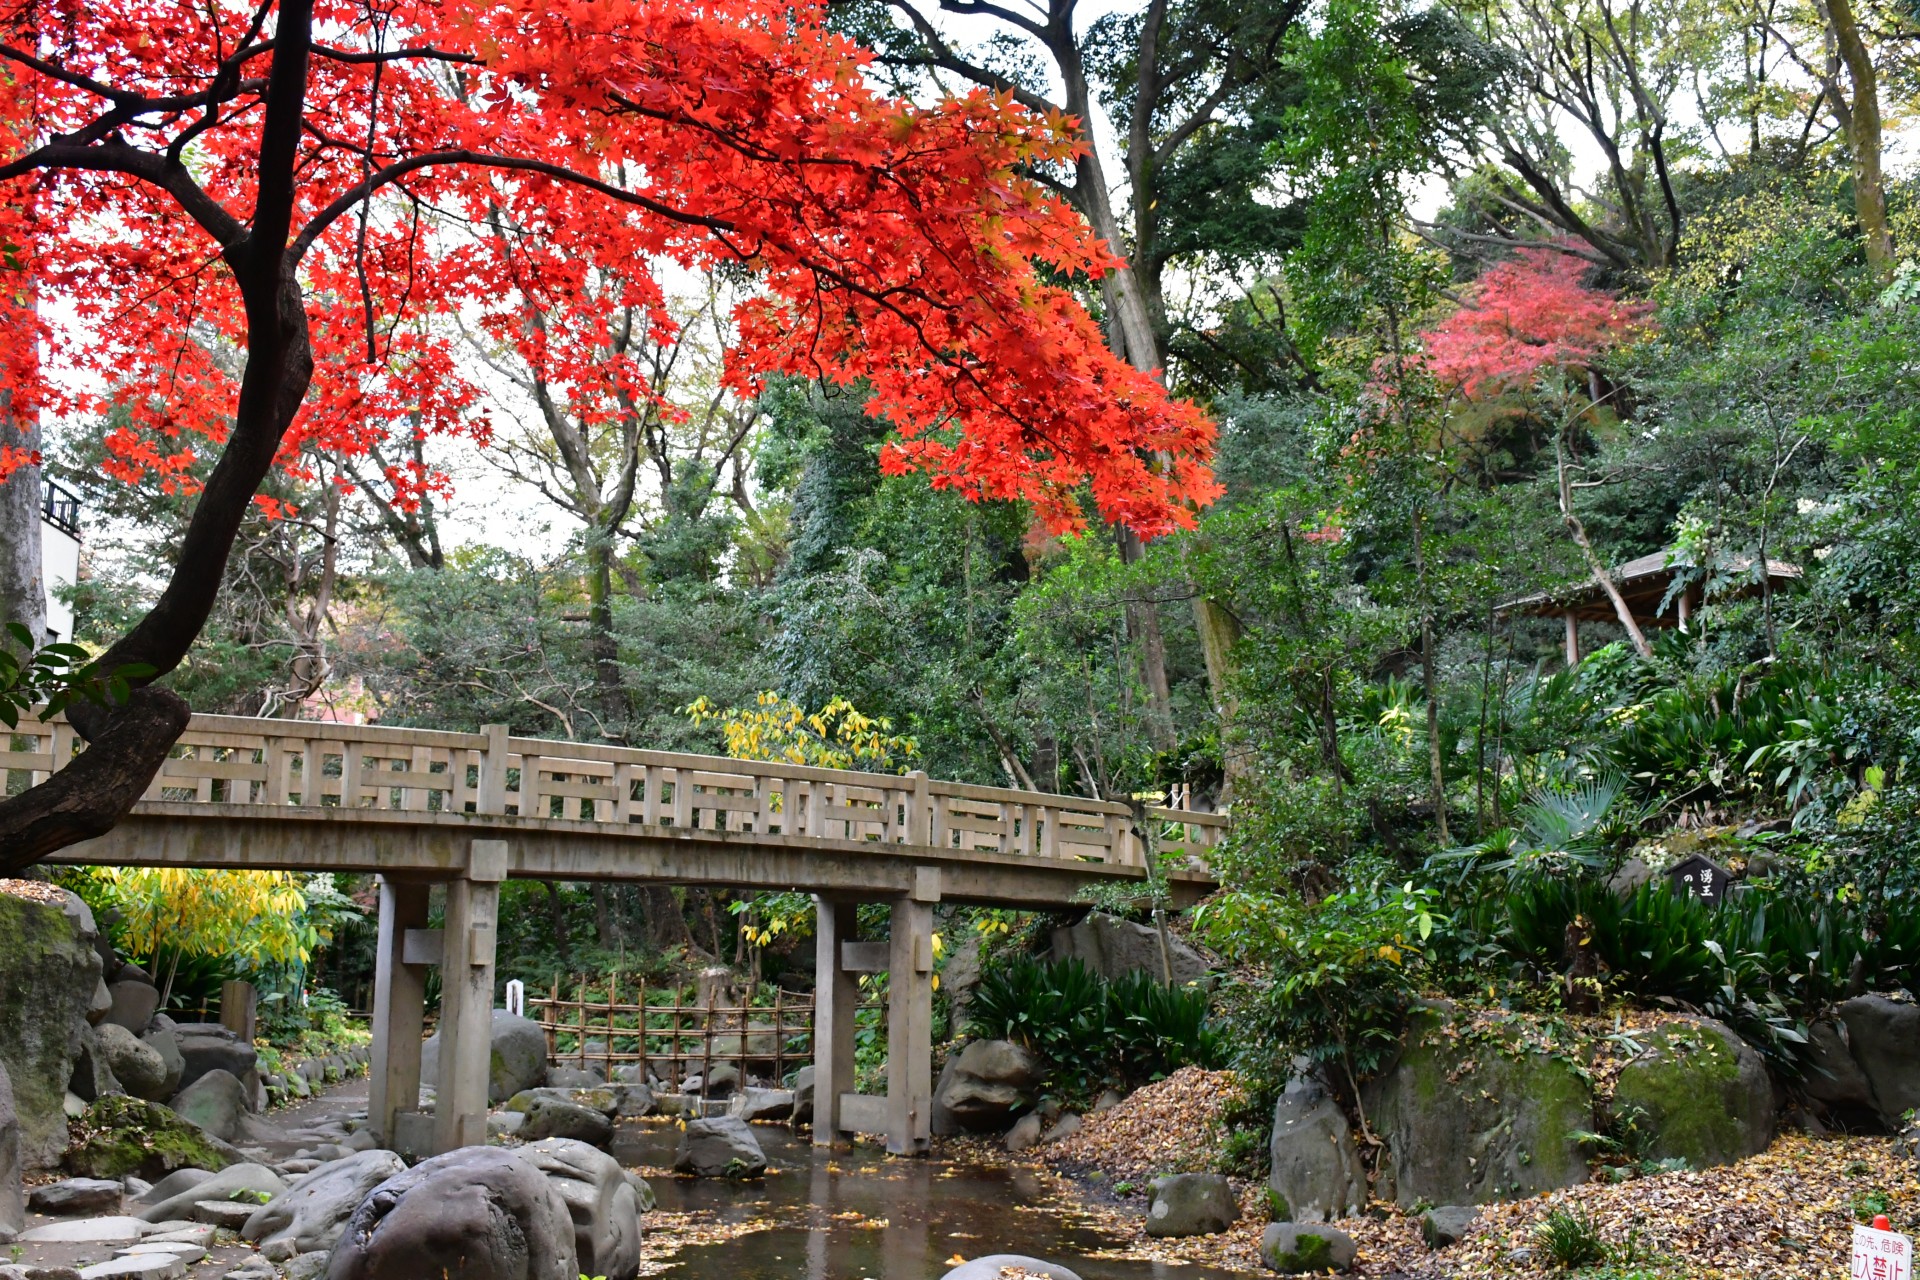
[1090, 1031]
[45, 679]
[1569, 1239]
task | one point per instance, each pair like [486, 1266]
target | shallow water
[857, 1215]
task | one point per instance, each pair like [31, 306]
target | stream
[857, 1215]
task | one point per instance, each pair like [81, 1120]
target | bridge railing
[232, 760]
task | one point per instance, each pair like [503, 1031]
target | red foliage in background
[1531, 312]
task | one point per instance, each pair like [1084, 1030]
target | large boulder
[984, 1088]
[314, 1210]
[1885, 1038]
[721, 1147]
[162, 1040]
[235, 1184]
[480, 1213]
[216, 1101]
[92, 1077]
[208, 1046]
[13, 1209]
[1315, 1167]
[1700, 1090]
[756, 1105]
[48, 972]
[1295, 1248]
[602, 1201]
[802, 1097]
[1475, 1120]
[1191, 1204]
[517, 1060]
[135, 1001]
[1113, 947]
[137, 1066]
[1833, 1078]
[119, 1135]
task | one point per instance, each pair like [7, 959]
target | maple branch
[122, 157]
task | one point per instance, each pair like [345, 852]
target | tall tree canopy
[253, 211]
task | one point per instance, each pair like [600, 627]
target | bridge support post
[910, 1017]
[466, 999]
[835, 1000]
[399, 1008]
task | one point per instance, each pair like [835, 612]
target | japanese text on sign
[1881, 1255]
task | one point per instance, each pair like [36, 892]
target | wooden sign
[1879, 1254]
[1700, 877]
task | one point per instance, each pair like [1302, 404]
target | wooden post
[466, 999]
[909, 1027]
[1573, 641]
[642, 1020]
[239, 1007]
[399, 1008]
[836, 995]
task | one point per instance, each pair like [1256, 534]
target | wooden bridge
[470, 810]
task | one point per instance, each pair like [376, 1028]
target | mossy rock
[49, 974]
[118, 1135]
[1700, 1091]
[1298, 1249]
[1477, 1115]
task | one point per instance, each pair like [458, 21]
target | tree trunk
[1578, 531]
[609, 693]
[557, 921]
[602, 918]
[1862, 123]
[23, 588]
[1219, 633]
[1430, 682]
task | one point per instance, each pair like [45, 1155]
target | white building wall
[59, 567]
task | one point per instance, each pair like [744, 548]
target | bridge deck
[297, 795]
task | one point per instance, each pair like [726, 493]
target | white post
[517, 998]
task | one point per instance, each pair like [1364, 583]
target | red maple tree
[1533, 311]
[254, 210]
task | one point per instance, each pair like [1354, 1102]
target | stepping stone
[187, 1253]
[149, 1266]
[232, 1214]
[118, 1230]
[188, 1233]
[76, 1195]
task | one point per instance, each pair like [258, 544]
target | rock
[228, 1214]
[139, 1266]
[215, 1101]
[573, 1078]
[518, 1060]
[1191, 1204]
[755, 1105]
[251, 1181]
[306, 1266]
[1447, 1225]
[133, 1004]
[1295, 1248]
[187, 1253]
[1315, 1166]
[480, 1213]
[131, 1135]
[118, 1229]
[642, 1191]
[1633, 873]
[138, 1067]
[1885, 1037]
[1024, 1134]
[722, 1147]
[1065, 1127]
[674, 1104]
[100, 1004]
[721, 1081]
[505, 1124]
[172, 1185]
[984, 1088]
[197, 1233]
[1700, 1090]
[990, 1267]
[559, 1117]
[76, 1195]
[802, 1097]
[1112, 948]
[13, 1209]
[631, 1101]
[960, 976]
[314, 1210]
[1107, 1101]
[1832, 1077]
[92, 1077]
[163, 1042]
[604, 1206]
[48, 971]
[208, 1046]
[1476, 1123]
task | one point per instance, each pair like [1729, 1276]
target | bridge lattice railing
[239, 760]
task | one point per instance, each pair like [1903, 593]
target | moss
[118, 1135]
[1687, 1083]
[1309, 1253]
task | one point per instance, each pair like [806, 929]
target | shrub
[1569, 1240]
